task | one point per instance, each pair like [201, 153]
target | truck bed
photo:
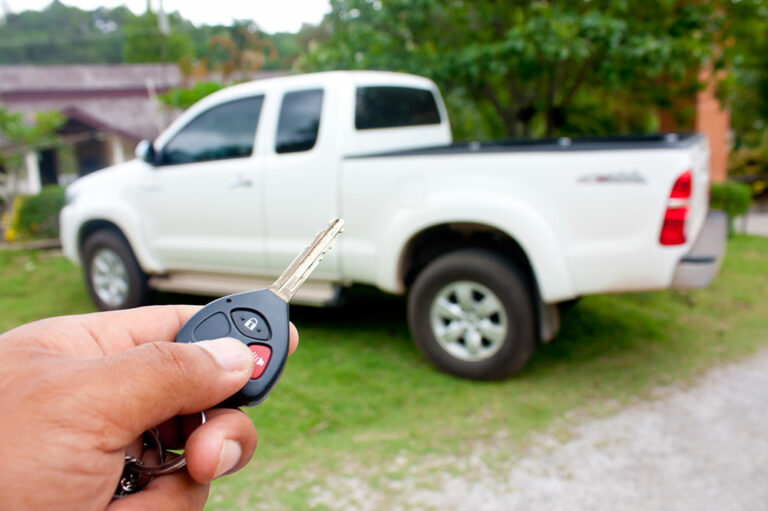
[591, 208]
[633, 142]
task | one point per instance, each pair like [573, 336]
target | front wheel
[471, 314]
[114, 278]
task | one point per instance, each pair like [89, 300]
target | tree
[526, 66]
[60, 34]
[748, 84]
[244, 50]
[181, 98]
[145, 43]
[18, 137]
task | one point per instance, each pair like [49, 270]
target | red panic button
[261, 356]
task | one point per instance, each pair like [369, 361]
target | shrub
[750, 165]
[732, 197]
[35, 216]
[184, 98]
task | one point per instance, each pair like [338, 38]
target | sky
[270, 15]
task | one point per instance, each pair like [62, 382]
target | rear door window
[299, 121]
[223, 132]
[392, 107]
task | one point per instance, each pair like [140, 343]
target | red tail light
[682, 187]
[673, 228]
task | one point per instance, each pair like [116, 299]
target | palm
[61, 417]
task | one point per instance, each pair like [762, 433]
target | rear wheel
[113, 276]
[471, 314]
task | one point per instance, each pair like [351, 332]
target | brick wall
[711, 119]
[715, 122]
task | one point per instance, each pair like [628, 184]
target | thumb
[144, 386]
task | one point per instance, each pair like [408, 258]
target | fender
[515, 218]
[126, 219]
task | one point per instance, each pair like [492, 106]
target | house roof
[112, 98]
[15, 79]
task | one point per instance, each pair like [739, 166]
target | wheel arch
[523, 239]
[502, 220]
[92, 226]
[431, 242]
[110, 285]
[127, 227]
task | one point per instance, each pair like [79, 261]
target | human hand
[76, 391]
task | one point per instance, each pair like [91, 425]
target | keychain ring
[164, 467]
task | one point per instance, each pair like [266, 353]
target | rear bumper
[699, 266]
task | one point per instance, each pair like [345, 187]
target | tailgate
[699, 204]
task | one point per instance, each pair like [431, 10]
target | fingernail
[230, 354]
[228, 457]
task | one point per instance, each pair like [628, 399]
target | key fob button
[261, 356]
[213, 327]
[251, 324]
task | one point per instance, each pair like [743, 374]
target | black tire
[512, 291]
[111, 241]
[568, 305]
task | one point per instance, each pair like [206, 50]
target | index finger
[116, 331]
[103, 333]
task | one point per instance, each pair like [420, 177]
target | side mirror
[145, 150]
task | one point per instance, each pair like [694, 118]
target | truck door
[201, 203]
[300, 179]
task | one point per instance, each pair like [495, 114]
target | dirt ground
[702, 447]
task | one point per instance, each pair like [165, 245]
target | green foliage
[18, 137]
[748, 80]
[145, 43]
[750, 165]
[18, 133]
[532, 64]
[183, 98]
[732, 197]
[288, 48]
[60, 34]
[37, 216]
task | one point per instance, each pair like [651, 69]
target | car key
[259, 319]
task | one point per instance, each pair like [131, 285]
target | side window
[390, 107]
[223, 132]
[299, 121]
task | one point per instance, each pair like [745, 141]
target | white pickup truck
[485, 238]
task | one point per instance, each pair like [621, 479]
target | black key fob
[258, 319]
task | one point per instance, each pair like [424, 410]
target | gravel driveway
[756, 223]
[699, 448]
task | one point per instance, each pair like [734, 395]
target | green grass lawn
[357, 392]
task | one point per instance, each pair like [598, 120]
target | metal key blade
[297, 272]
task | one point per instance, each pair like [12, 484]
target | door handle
[239, 182]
